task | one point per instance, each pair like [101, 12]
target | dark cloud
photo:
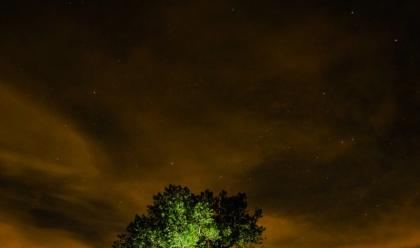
[310, 107]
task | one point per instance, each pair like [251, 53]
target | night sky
[310, 107]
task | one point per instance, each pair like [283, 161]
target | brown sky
[311, 108]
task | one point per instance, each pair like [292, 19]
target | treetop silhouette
[180, 219]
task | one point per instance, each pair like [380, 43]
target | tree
[180, 219]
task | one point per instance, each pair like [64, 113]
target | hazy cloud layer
[312, 109]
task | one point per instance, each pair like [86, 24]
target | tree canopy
[180, 219]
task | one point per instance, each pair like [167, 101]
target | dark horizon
[309, 107]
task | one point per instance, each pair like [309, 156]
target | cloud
[303, 107]
[13, 237]
[49, 172]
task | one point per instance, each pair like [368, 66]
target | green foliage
[180, 219]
